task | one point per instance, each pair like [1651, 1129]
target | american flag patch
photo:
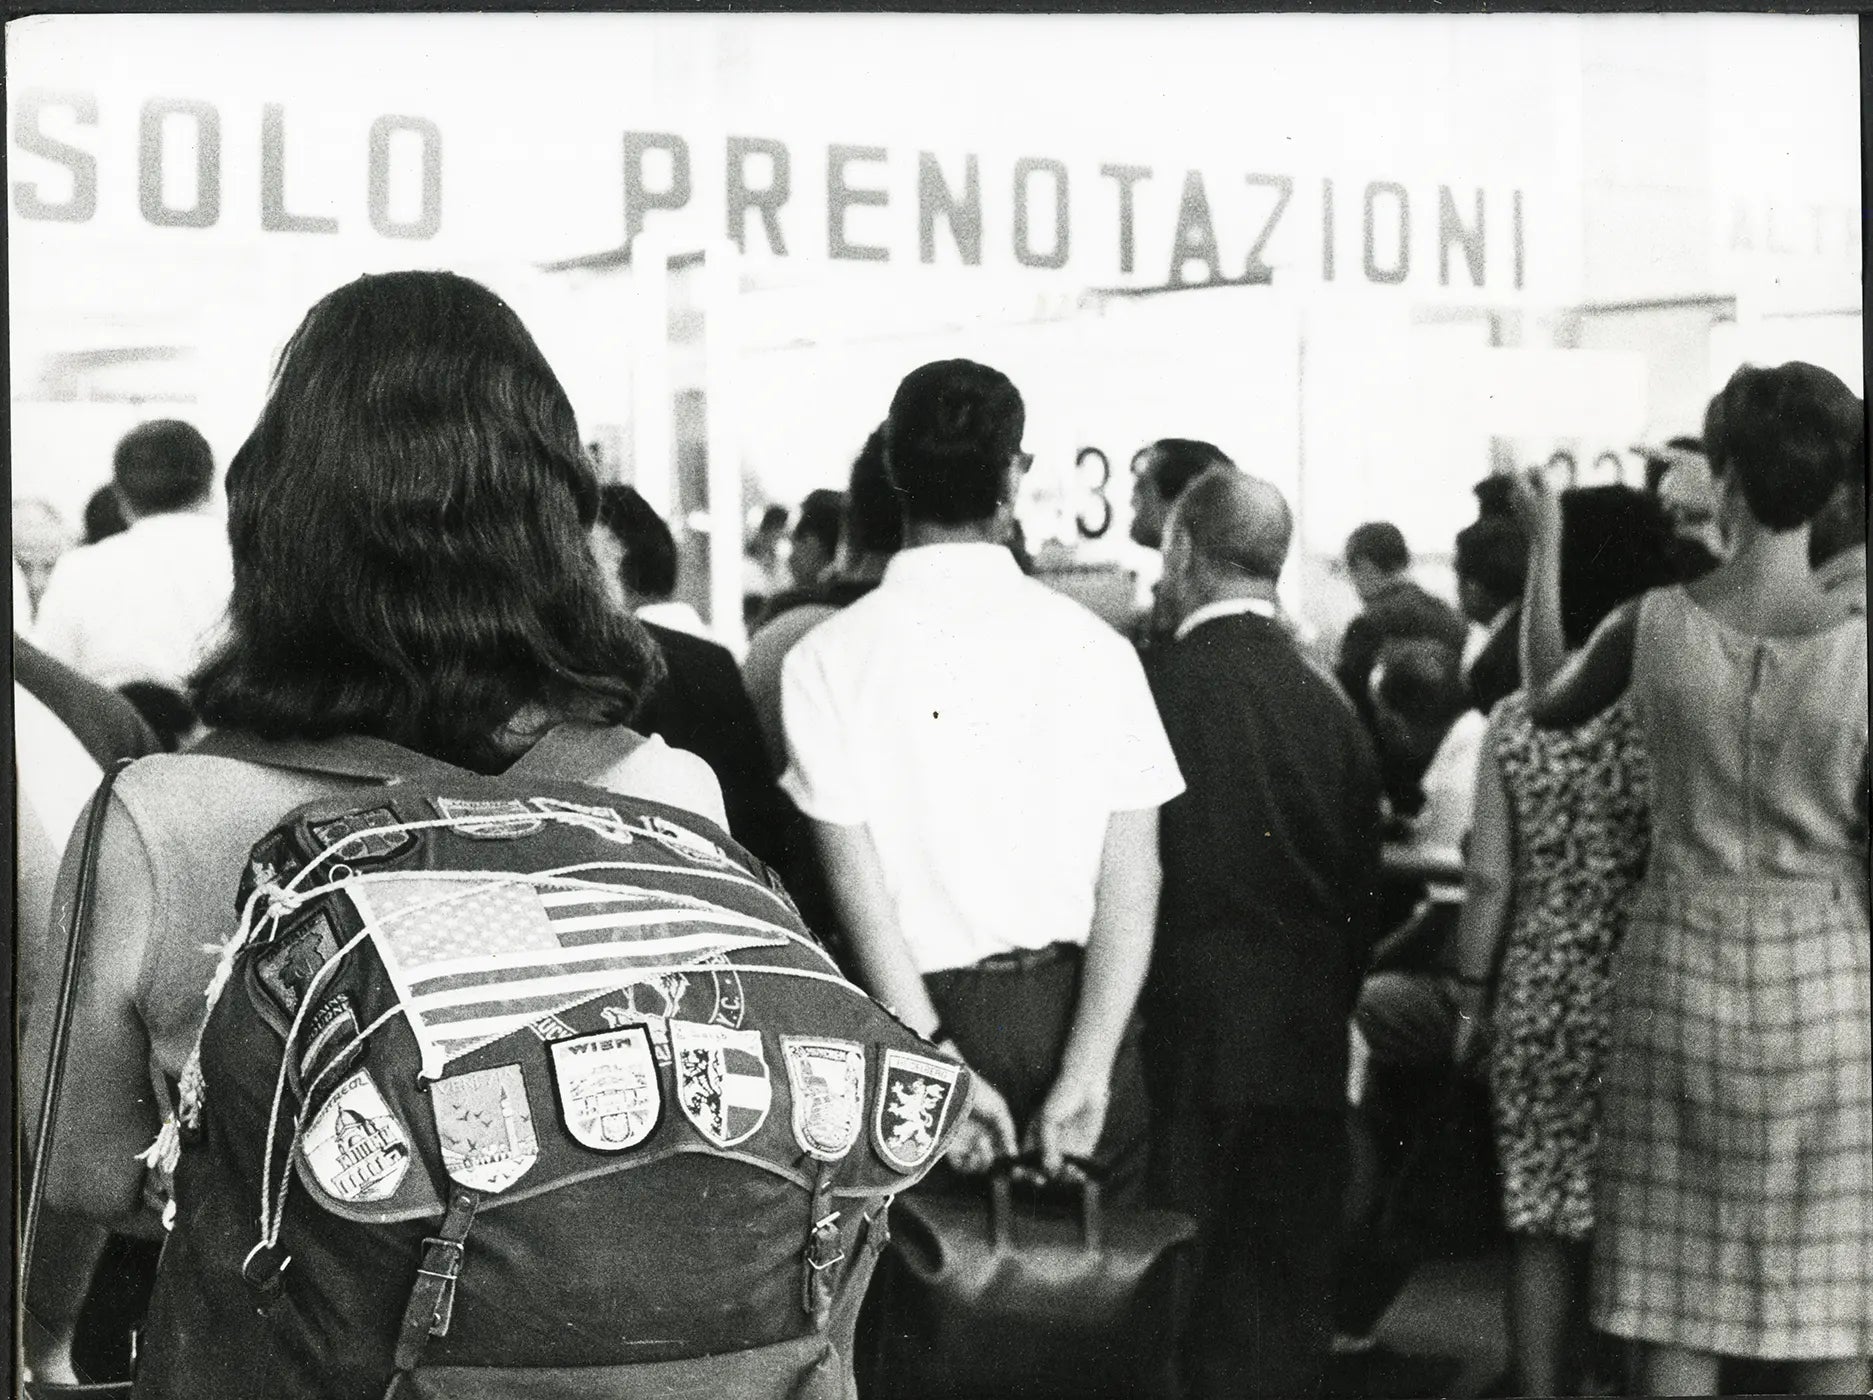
[472, 960]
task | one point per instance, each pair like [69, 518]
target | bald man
[1270, 859]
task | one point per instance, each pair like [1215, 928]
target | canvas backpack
[518, 1087]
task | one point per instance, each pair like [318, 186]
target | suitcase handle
[1080, 1177]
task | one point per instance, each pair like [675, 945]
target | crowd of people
[1239, 928]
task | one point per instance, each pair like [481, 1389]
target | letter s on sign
[29, 136]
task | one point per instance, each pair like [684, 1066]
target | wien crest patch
[721, 1080]
[827, 1078]
[609, 1095]
[485, 1124]
[355, 1147]
[914, 1099]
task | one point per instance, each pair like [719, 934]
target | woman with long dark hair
[412, 584]
[1557, 846]
[1735, 1200]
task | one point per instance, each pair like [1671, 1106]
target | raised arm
[1118, 953]
[1564, 691]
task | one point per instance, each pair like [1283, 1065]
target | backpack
[519, 1087]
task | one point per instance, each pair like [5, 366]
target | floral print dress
[1578, 800]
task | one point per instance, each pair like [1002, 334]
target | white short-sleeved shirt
[984, 728]
[144, 605]
[1449, 786]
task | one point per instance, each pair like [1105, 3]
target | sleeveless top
[1758, 745]
[181, 826]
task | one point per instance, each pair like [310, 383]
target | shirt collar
[927, 564]
[1226, 607]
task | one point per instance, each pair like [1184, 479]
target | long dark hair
[408, 521]
[1616, 542]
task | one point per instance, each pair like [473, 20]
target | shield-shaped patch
[827, 1078]
[354, 1146]
[289, 964]
[485, 1124]
[914, 1098]
[609, 1095]
[489, 820]
[721, 1080]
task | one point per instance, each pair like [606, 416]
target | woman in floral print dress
[1558, 846]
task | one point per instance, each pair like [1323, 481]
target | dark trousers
[1010, 1016]
[1264, 1186]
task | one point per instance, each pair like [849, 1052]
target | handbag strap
[83, 893]
[1081, 1177]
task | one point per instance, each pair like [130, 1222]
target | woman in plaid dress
[1557, 847]
[1735, 1197]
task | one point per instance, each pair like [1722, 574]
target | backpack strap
[572, 752]
[824, 1251]
[84, 892]
[577, 753]
[345, 756]
[432, 1296]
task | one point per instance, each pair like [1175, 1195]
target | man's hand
[986, 1134]
[1070, 1120]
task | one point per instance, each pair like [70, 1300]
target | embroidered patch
[550, 1028]
[914, 1098]
[287, 965]
[665, 996]
[270, 863]
[481, 819]
[721, 1080]
[485, 1125]
[354, 1146]
[609, 1094]
[329, 1044]
[602, 821]
[360, 837]
[687, 843]
[827, 1078]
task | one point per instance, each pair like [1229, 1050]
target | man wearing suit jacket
[1270, 859]
[699, 703]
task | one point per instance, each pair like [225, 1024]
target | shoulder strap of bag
[347, 756]
[83, 893]
[568, 751]
[577, 753]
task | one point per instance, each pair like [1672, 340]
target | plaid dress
[1735, 1194]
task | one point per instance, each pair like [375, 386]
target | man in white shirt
[147, 604]
[1408, 1008]
[983, 765]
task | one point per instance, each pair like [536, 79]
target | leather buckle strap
[824, 1250]
[432, 1297]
